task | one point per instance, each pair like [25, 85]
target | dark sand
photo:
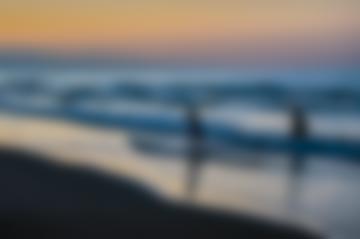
[40, 199]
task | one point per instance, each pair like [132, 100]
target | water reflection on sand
[328, 197]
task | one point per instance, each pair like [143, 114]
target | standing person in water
[298, 133]
[299, 122]
[195, 134]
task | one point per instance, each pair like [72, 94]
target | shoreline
[260, 190]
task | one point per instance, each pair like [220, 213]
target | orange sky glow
[180, 29]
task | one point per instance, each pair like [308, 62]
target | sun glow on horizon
[182, 29]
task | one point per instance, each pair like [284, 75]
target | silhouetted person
[299, 132]
[299, 123]
[195, 136]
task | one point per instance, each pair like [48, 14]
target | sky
[270, 32]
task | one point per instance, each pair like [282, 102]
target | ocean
[254, 100]
[150, 104]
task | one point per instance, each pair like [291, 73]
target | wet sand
[110, 151]
[56, 196]
[257, 186]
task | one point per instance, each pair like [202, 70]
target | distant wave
[178, 88]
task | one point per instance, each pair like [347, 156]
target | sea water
[255, 101]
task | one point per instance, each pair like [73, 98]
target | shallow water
[325, 196]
